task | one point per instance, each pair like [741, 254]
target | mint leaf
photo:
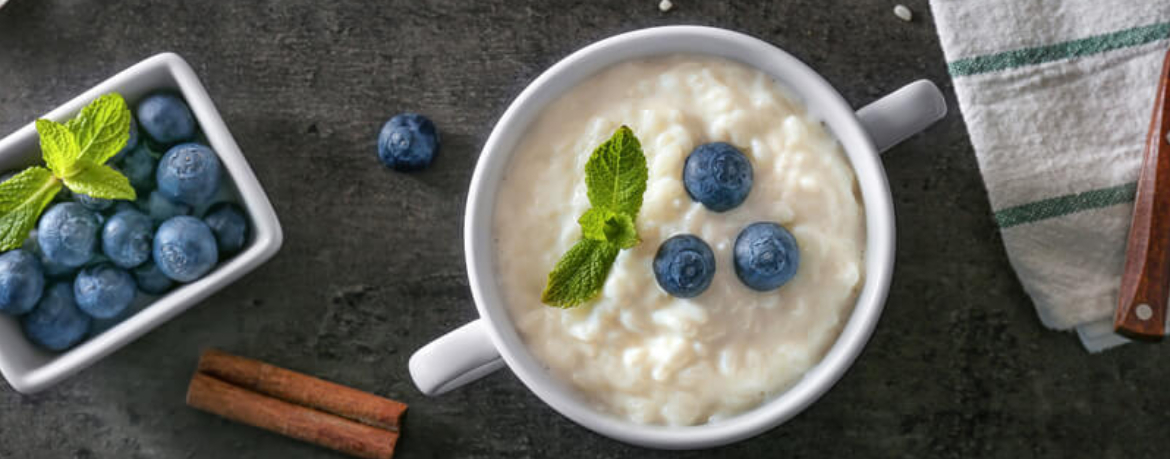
[15, 190]
[608, 226]
[102, 128]
[616, 174]
[580, 273]
[615, 179]
[99, 181]
[22, 198]
[58, 146]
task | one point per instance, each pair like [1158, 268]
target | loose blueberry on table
[766, 256]
[684, 266]
[408, 142]
[717, 175]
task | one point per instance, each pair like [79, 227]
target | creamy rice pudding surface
[636, 351]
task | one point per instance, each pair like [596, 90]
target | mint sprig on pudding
[615, 178]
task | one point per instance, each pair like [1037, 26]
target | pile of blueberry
[766, 257]
[89, 258]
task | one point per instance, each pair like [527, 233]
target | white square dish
[29, 368]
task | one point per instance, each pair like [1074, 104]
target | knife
[1145, 283]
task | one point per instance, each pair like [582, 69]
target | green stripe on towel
[1069, 49]
[1064, 205]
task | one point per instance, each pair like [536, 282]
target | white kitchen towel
[1057, 96]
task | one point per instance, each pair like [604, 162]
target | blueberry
[139, 166]
[21, 281]
[184, 248]
[56, 271]
[408, 142]
[165, 119]
[91, 203]
[99, 326]
[56, 323]
[230, 226]
[123, 205]
[52, 270]
[131, 143]
[766, 256]
[67, 234]
[103, 290]
[717, 175]
[684, 266]
[189, 174]
[161, 209]
[126, 238]
[151, 280]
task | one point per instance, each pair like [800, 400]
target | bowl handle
[902, 113]
[457, 358]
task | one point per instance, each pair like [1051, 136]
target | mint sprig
[615, 180]
[616, 174]
[75, 153]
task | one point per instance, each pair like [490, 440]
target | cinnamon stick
[302, 389]
[221, 398]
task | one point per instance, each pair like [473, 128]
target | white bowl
[491, 342]
[29, 368]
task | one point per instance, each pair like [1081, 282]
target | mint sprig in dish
[75, 154]
[615, 180]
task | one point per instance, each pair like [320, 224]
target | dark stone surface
[372, 266]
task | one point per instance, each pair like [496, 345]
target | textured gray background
[372, 266]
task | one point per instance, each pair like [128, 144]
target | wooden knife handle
[1141, 308]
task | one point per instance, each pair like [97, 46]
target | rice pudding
[635, 351]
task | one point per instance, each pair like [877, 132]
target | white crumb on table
[665, 5]
[901, 12]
